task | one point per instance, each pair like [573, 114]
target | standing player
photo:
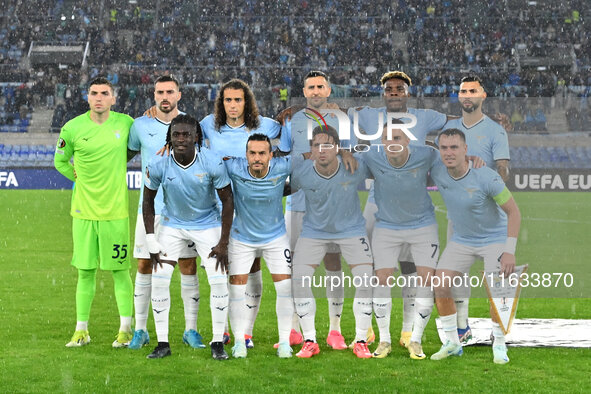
[396, 93]
[294, 139]
[333, 216]
[259, 230]
[487, 139]
[100, 226]
[188, 177]
[148, 134]
[486, 223]
[405, 216]
[236, 117]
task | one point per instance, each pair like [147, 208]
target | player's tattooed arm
[504, 120]
[503, 169]
[149, 214]
[280, 153]
[151, 112]
[131, 154]
[220, 251]
[287, 113]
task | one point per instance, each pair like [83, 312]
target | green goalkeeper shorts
[104, 241]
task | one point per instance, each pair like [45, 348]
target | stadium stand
[521, 49]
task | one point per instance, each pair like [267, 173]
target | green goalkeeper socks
[85, 291]
[123, 292]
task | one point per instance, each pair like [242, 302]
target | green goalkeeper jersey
[100, 162]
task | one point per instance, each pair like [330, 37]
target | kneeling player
[188, 178]
[486, 223]
[333, 216]
[259, 230]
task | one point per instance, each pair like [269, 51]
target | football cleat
[123, 339]
[284, 350]
[360, 350]
[295, 338]
[335, 340]
[308, 350]
[239, 350]
[447, 350]
[227, 338]
[162, 350]
[218, 352]
[405, 338]
[371, 336]
[140, 339]
[382, 351]
[416, 351]
[193, 339]
[464, 334]
[500, 354]
[80, 338]
[248, 341]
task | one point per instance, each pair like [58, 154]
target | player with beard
[294, 139]
[147, 135]
[488, 140]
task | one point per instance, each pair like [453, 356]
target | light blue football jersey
[477, 219]
[428, 120]
[231, 141]
[148, 136]
[294, 139]
[486, 139]
[333, 209]
[258, 201]
[401, 193]
[189, 191]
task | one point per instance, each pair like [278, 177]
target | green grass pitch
[37, 318]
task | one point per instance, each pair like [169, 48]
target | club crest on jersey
[201, 176]
[117, 133]
[61, 143]
[470, 191]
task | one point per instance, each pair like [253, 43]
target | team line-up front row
[180, 218]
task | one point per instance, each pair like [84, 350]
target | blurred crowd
[272, 44]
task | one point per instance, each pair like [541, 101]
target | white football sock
[125, 323]
[335, 297]
[284, 309]
[461, 297]
[450, 328]
[218, 301]
[81, 325]
[141, 300]
[498, 334]
[423, 308]
[409, 292]
[238, 310]
[382, 306]
[305, 304]
[254, 291]
[190, 296]
[161, 300]
[362, 303]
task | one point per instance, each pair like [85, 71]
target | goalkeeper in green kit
[100, 227]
